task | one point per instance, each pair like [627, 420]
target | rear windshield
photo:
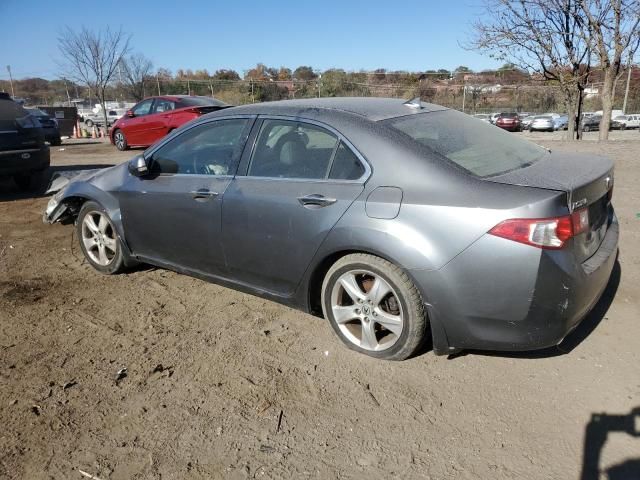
[199, 102]
[508, 115]
[479, 148]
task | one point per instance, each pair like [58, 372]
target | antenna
[414, 103]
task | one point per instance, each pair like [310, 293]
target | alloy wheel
[99, 238]
[367, 310]
[118, 138]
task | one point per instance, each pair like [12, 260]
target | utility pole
[626, 90]
[10, 80]
[319, 83]
[158, 83]
[211, 88]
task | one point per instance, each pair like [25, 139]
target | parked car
[591, 123]
[154, 117]
[509, 122]
[542, 123]
[385, 217]
[24, 155]
[626, 121]
[483, 116]
[494, 117]
[526, 121]
[49, 126]
[98, 118]
[561, 122]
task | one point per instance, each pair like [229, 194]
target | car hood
[62, 179]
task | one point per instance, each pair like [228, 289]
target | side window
[143, 108]
[290, 149]
[163, 105]
[346, 166]
[209, 149]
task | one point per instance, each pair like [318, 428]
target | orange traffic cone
[93, 133]
[75, 132]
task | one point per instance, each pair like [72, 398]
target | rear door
[300, 179]
[173, 216]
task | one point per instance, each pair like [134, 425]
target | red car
[154, 117]
[509, 121]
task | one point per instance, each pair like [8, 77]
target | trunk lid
[587, 181]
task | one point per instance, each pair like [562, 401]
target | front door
[134, 127]
[300, 181]
[173, 215]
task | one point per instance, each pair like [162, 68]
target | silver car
[542, 123]
[394, 220]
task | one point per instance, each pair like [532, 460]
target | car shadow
[9, 191]
[596, 434]
[575, 338]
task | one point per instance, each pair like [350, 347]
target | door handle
[203, 193]
[316, 200]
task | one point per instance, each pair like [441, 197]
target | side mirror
[138, 166]
[130, 114]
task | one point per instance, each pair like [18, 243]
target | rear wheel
[120, 140]
[99, 240]
[374, 307]
[586, 128]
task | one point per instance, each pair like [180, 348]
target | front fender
[67, 204]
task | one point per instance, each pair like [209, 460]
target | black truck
[24, 155]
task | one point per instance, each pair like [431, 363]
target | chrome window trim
[341, 138]
[151, 150]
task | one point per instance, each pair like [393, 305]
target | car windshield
[199, 102]
[479, 148]
[509, 115]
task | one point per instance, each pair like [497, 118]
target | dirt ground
[221, 384]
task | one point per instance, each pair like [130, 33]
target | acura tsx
[394, 220]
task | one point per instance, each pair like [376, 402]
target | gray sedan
[394, 220]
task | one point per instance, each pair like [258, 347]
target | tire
[56, 142]
[99, 237]
[120, 140]
[349, 318]
[88, 123]
[586, 128]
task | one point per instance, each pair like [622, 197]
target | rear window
[479, 148]
[199, 102]
[509, 115]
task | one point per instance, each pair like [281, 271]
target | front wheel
[586, 128]
[88, 123]
[99, 239]
[374, 307]
[120, 140]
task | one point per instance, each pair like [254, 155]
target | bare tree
[136, 69]
[545, 36]
[92, 58]
[614, 31]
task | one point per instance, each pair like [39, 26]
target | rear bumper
[501, 295]
[18, 162]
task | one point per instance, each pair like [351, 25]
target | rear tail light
[549, 233]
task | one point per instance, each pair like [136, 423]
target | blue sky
[397, 35]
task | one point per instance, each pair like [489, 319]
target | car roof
[374, 109]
